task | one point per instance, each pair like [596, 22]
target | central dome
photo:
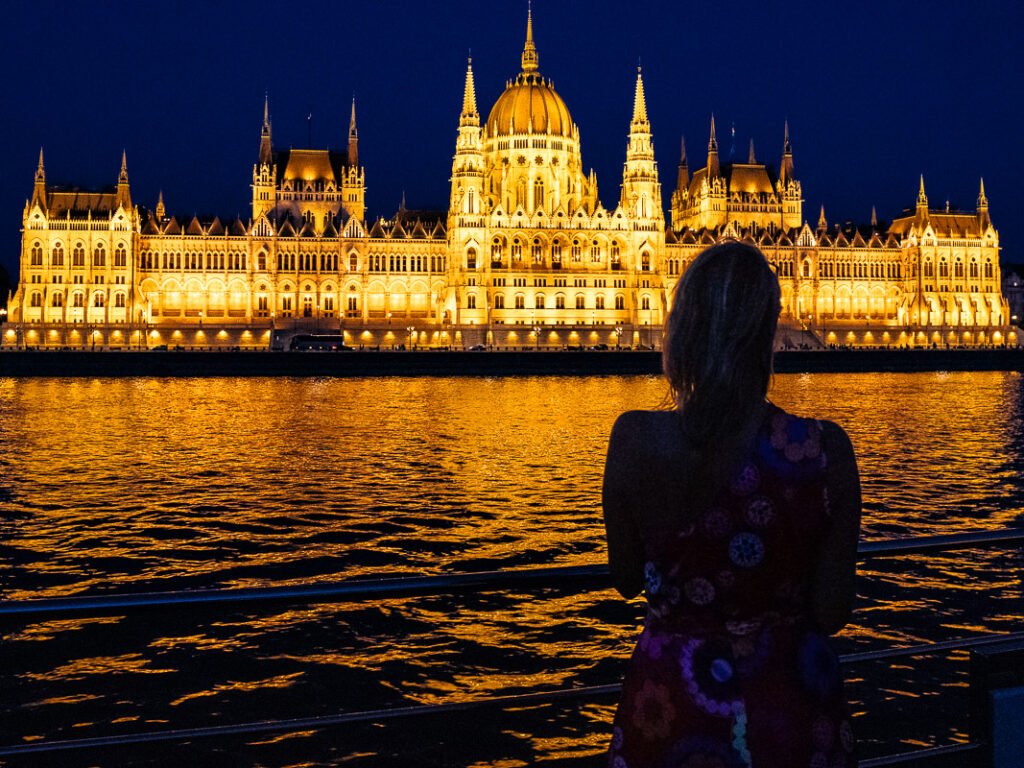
[529, 104]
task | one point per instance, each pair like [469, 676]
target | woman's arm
[618, 495]
[835, 575]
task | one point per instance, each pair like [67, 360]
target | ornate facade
[525, 255]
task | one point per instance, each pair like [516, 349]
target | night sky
[875, 94]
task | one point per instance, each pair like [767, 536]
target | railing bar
[918, 754]
[306, 723]
[925, 648]
[595, 576]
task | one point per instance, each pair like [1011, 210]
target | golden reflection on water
[153, 484]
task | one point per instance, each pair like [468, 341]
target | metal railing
[590, 577]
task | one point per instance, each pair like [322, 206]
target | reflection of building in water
[525, 255]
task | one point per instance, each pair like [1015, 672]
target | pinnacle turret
[751, 159]
[874, 217]
[822, 221]
[161, 211]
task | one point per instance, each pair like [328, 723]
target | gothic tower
[264, 172]
[641, 192]
[353, 182]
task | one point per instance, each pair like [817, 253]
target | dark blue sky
[875, 93]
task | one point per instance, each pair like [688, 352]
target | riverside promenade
[472, 363]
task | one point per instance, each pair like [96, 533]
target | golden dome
[529, 100]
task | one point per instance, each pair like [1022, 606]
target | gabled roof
[172, 227]
[418, 232]
[329, 229]
[377, 230]
[216, 228]
[62, 200]
[307, 230]
[238, 228]
[439, 231]
[150, 227]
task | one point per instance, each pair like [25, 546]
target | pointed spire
[530, 59]
[822, 222]
[922, 198]
[751, 159]
[266, 145]
[639, 103]
[786, 166]
[353, 137]
[683, 176]
[39, 189]
[123, 193]
[983, 217]
[469, 114]
[713, 169]
[874, 217]
[161, 211]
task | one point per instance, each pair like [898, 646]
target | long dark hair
[717, 352]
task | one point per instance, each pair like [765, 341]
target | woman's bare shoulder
[643, 423]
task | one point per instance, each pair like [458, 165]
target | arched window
[580, 301]
[929, 269]
[99, 257]
[958, 268]
[620, 301]
[78, 299]
[537, 253]
[595, 252]
[517, 249]
[615, 254]
[645, 262]
[988, 269]
[538, 193]
[577, 251]
[560, 301]
[538, 301]
[36, 299]
[599, 302]
[353, 262]
[520, 301]
[805, 268]
[471, 258]
[57, 300]
[974, 269]
[120, 256]
[98, 300]
[37, 255]
[943, 268]
[499, 301]
[119, 300]
[471, 301]
[556, 252]
[645, 302]
[57, 257]
[496, 251]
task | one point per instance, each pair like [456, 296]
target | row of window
[77, 299]
[539, 301]
[99, 256]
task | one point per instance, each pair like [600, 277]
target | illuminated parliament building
[525, 256]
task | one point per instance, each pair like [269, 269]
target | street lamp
[618, 336]
[536, 336]
[410, 329]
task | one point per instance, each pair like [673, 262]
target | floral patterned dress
[729, 671]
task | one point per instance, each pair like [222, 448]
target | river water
[116, 485]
